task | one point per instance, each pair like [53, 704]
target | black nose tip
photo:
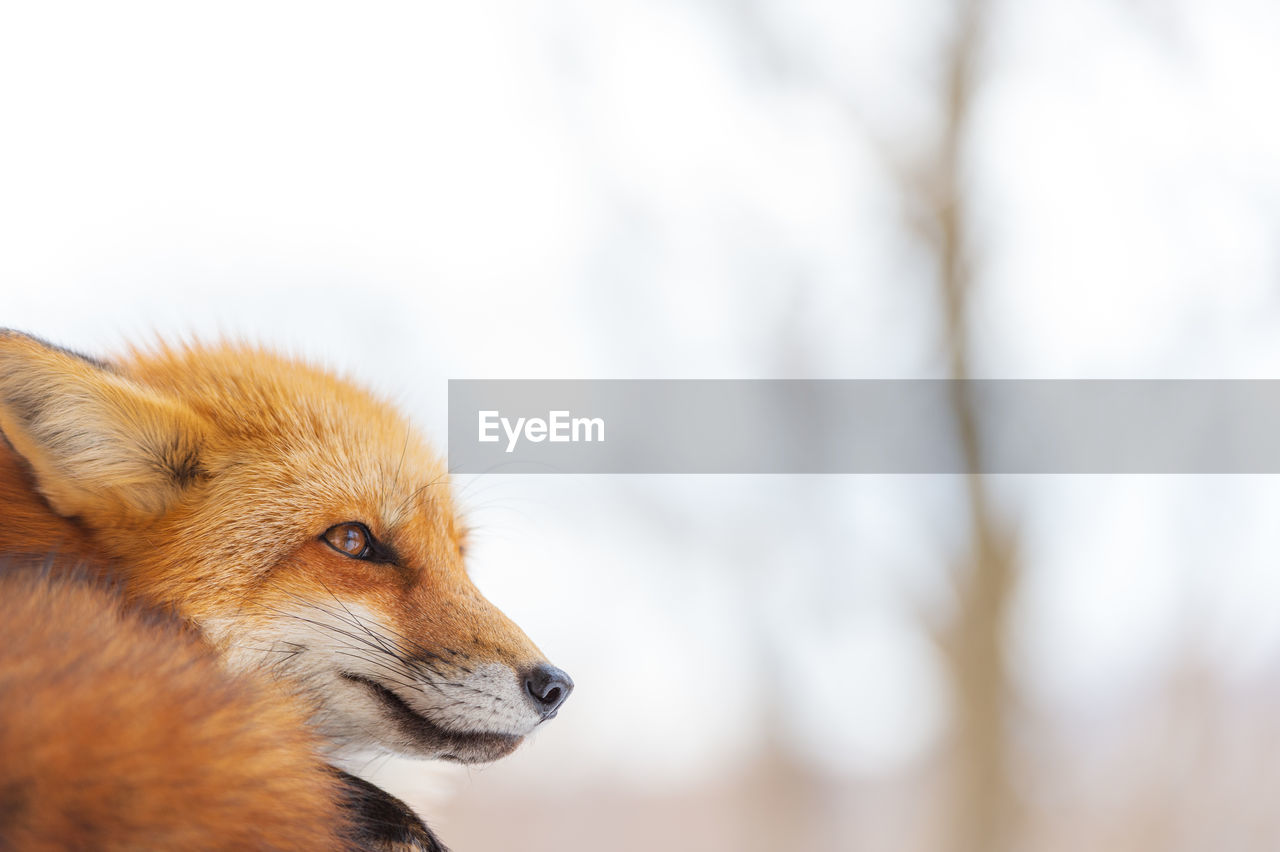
[548, 687]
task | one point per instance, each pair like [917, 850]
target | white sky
[421, 191]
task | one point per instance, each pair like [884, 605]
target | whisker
[413, 647]
[418, 491]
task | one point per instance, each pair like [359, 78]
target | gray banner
[722, 426]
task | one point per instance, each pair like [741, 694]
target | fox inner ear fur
[94, 439]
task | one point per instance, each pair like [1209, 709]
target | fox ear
[93, 438]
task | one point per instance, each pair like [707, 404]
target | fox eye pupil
[351, 539]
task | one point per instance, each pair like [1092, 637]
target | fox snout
[445, 692]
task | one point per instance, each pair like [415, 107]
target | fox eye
[350, 539]
[353, 539]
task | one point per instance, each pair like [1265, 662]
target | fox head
[298, 521]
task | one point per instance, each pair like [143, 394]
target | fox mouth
[429, 737]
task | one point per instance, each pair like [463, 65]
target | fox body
[120, 731]
[304, 538]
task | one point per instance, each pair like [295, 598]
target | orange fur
[121, 732]
[204, 479]
[29, 527]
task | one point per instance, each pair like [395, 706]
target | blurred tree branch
[985, 576]
[932, 192]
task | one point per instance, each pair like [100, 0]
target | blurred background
[416, 191]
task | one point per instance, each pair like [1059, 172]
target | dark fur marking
[26, 407]
[79, 356]
[383, 822]
[181, 463]
[13, 803]
[380, 551]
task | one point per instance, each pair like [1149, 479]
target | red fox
[221, 568]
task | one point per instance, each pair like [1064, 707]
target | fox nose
[548, 687]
